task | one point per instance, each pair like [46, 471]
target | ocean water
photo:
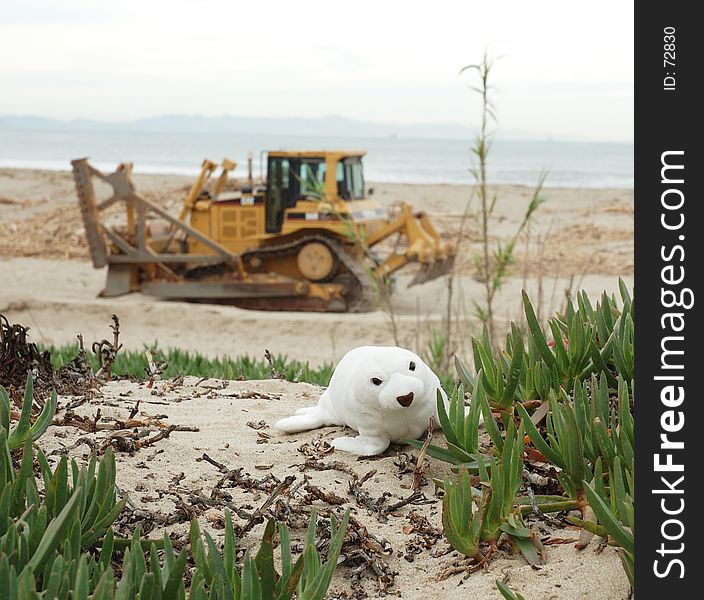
[568, 164]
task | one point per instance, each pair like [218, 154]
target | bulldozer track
[360, 296]
[361, 299]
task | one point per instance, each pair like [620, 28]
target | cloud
[369, 59]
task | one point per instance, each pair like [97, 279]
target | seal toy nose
[406, 400]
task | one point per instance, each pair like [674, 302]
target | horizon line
[521, 135]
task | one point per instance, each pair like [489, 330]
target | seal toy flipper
[312, 418]
[363, 445]
[309, 417]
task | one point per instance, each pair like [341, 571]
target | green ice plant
[504, 483]
[461, 521]
[46, 540]
[499, 377]
[87, 576]
[614, 337]
[572, 379]
[133, 363]
[69, 519]
[613, 508]
[146, 578]
[44, 545]
[316, 576]
[29, 535]
[563, 445]
[218, 577]
[582, 431]
[616, 523]
[91, 489]
[94, 484]
[612, 504]
[43, 538]
[28, 548]
[461, 429]
[590, 345]
[216, 574]
[507, 593]
[518, 374]
[23, 430]
[98, 500]
[503, 514]
[496, 512]
[589, 453]
[585, 340]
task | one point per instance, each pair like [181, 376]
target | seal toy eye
[412, 366]
[376, 381]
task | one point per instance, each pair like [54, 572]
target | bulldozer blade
[118, 281]
[203, 290]
[432, 271]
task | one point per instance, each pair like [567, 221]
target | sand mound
[220, 450]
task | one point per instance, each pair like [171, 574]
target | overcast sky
[566, 71]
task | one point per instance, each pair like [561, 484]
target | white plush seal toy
[385, 393]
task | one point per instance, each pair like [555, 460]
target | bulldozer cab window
[312, 178]
[278, 193]
[289, 180]
[350, 179]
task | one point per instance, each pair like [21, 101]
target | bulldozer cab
[294, 176]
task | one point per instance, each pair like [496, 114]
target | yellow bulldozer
[304, 237]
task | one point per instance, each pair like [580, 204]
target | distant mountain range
[330, 125]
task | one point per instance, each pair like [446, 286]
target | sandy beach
[177, 478]
[579, 239]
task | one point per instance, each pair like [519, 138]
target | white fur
[352, 399]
